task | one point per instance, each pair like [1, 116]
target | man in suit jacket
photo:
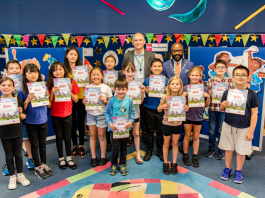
[178, 65]
[142, 60]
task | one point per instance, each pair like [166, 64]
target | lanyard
[139, 62]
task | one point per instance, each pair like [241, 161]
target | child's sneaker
[47, 170]
[210, 153]
[123, 170]
[81, 152]
[220, 155]
[75, 151]
[195, 161]
[5, 170]
[22, 179]
[166, 169]
[186, 160]
[238, 177]
[40, 172]
[113, 169]
[12, 183]
[226, 174]
[30, 163]
[174, 168]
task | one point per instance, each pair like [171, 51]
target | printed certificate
[18, 82]
[39, 89]
[134, 92]
[80, 74]
[156, 86]
[237, 100]
[120, 122]
[176, 111]
[109, 78]
[92, 95]
[217, 92]
[9, 111]
[64, 94]
[195, 95]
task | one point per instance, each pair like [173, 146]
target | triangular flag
[7, 39]
[18, 39]
[187, 37]
[106, 40]
[231, 38]
[245, 38]
[204, 38]
[159, 38]
[79, 40]
[149, 38]
[66, 38]
[177, 37]
[94, 39]
[26, 39]
[54, 40]
[263, 38]
[122, 39]
[41, 39]
[218, 39]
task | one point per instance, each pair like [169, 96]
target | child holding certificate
[11, 134]
[194, 116]
[136, 90]
[36, 121]
[119, 106]
[217, 85]
[61, 111]
[237, 130]
[96, 119]
[172, 128]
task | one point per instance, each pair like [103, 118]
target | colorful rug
[143, 181]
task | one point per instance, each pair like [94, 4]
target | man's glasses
[240, 76]
[176, 51]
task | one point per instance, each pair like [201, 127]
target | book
[109, 78]
[217, 92]
[92, 94]
[195, 95]
[9, 111]
[237, 100]
[80, 75]
[18, 82]
[156, 86]
[120, 122]
[176, 111]
[39, 90]
[134, 92]
[64, 94]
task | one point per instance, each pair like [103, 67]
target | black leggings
[62, 128]
[37, 136]
[79, 111]
[13, 147]
[119, 146]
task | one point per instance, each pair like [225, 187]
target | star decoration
[182, 38]
[72, 39]
[128, 39]
[254, 38]
[167, 55]
[13, 41]
[225, 38]
[22, 43]
[195, 38]
[211, 45]
[61, 42]
[120, 51]
[186, 51]
[114, 39]
[2, 40]
[3, 49]
[97, 63]
[211, 38]
[48, 40]
[86, 40]
[33, 41]
[100, 40]
[154, 38]
[168, 38]
[98, 50]
[238, 37]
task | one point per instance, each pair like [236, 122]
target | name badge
[140, 76]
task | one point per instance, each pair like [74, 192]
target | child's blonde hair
[128, 66]
[195, 69]
[168, 94]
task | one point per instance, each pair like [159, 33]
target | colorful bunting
[66, 38]
[245, 38]
[106, 40]
[79, 40]
[263, 38]
[187, 37]
[94, 39]
[122, 39]
[149, 38]
[218, 38]
[18, 39]
[231, 38]
[7, 39]
[54, 40]
[177, 37]
[41, 38]
[159, 38]
[204, 38]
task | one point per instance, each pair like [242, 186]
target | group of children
[237, 131]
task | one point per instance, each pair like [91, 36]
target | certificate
[64, 94]
[9, 111]
[109, 78]
[39, 90]
[92, 95]
[237, 100]
[80, 74]
[120, 122]
[195, 95]
[217, 92]
[156, 86]
[176, 111]
[134, 92]
[18, 82]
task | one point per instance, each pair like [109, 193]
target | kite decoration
[114, 8]
[160, 5]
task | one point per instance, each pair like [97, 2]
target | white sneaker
[12, 183]
[22, 179]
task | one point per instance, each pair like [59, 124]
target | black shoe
[39, 171]
[75, 151]
[195, 161]
[94, 162]
[160, 155]
[148, 155]
[62, 167]
[170, 147]
[166, 169]
[81, 152]
[186, 160]
[174, 168]
[103, 161]
[130, 141]
[26, 154]
[181, 149]
[73, 166]
[109, 148]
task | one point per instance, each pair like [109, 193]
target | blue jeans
[216, 120]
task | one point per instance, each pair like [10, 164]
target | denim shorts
[25, 132]
[98, 120]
